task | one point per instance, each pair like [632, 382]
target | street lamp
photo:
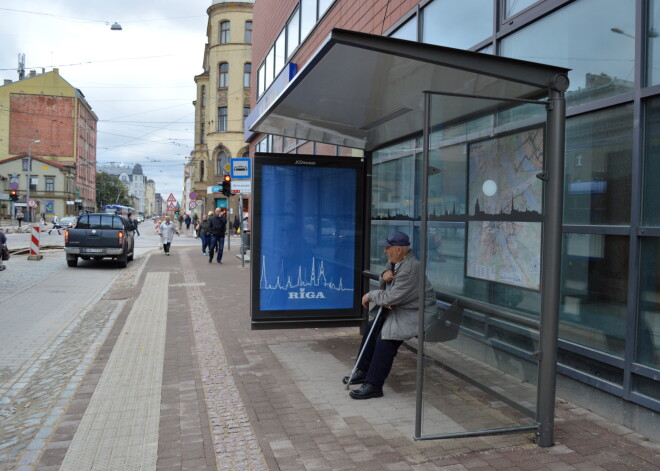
[29, 179]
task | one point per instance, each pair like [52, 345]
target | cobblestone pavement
[234, 398]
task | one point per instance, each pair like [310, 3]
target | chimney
[7, 81]
[33, 73]
[56, 70]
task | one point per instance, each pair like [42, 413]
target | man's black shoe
[358, 377]
[210, 260]
[366, 391]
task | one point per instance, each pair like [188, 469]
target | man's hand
[388, 276]
[365, 301]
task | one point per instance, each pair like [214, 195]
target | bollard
[34, 244]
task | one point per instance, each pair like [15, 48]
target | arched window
[223, 75]
[222, 160]
[247, 70]
[248, 32]
[224, 32]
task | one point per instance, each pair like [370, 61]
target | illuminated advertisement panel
[306, 249]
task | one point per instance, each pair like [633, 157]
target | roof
[363, 91]
[40, 159]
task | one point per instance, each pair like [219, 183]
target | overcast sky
[138, 81]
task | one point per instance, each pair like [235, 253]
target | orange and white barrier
[34, 243]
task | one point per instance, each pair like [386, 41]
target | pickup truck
[97, 236]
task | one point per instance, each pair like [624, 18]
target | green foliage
[110, 190]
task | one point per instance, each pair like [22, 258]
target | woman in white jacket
[167, 231]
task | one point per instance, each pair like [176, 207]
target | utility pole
[29, 179]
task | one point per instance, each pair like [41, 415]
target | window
[515, 6]
[407, 31]
[261, 79]
[224, 32]
[444, 23]
[651, 190]
[248, 32]
[34, 181]
[648, 342]
[223, 75]
[247, 70]
[293, 33]
[222, 161]
[307, 17]
[280, 53]
[50, 183]
[203, 96]
[222, 119]
[25, 165]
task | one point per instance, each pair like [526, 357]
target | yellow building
[223, 102]
[47, 116]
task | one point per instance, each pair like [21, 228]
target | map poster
[505, 200]
[306, 239]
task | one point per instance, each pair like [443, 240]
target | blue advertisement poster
[306, 236]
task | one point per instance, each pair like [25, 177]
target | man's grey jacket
[401, 297]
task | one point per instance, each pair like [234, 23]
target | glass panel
[515, 6]
[594, 291]
[580, 36]
[292, 33]
[651, 189]
[307, 18]
[598, 167]
[653, 44]
[648, 328]
[443, 23]
[280, 52]
[323, 6]
[270, 67]
[262, 79]
[407, 31]
[485, 379]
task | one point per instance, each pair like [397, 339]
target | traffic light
[13, 195]
[226, 186]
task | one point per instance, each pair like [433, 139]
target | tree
[110, 190]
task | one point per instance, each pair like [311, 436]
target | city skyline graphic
[314, 280]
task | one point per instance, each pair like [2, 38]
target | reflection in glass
[280, 52]
[407, 31]
[594, 291]
[292, 33]
[393, 193]
[307, 17]
[648, 326]
[444, 23]
[598, 167]
[580, 37]
[515, 6]
[651, 195]
[653, 44]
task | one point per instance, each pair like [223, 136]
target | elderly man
[167, 231]
[399, 321]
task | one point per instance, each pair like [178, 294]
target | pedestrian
[202, 229]
[19, 217]
[236, 225]
[195, 222]
[56, 225]
[4, 251]
[133, 224]
[398, 295]
[167, 231]
[187, 220]
[246, 225]
[180, 221]
[217, 229]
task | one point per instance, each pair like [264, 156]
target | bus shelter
[364, 91]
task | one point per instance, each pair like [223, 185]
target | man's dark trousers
[378, 355]
[217, 242]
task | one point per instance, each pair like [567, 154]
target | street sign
[241, 186]
[214, 189]
[170, 207]
[13, 186]
[171, 198]
[32, 204]
[192, 205]
[240, 168]
[193, 195]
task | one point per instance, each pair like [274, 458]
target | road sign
[32, 204]
[170, 207]
[240, 168]
[193, 195]
[192, 205]
[13, 186]
[241, 186]
[171, 198]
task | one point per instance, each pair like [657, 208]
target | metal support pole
[240, 222]
[551, 260]
[29, 180]
[422, 264]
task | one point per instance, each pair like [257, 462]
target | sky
[139, 81]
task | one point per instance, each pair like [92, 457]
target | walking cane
[357, 362]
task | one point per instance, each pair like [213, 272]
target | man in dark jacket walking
[217, 230]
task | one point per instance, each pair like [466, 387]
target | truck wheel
[130, 257]
[72, 262]
[123, 261]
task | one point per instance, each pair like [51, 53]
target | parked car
[68, 221]
[97, 236]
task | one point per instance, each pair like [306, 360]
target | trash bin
[245, 242]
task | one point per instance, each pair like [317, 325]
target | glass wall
[444, 23]
[651, 199]
[648, 326]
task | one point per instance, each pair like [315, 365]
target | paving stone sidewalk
[233, 398]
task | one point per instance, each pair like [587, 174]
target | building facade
[46, 115]
[223, 102]
[609, 345]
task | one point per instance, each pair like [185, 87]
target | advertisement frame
[264, 317]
